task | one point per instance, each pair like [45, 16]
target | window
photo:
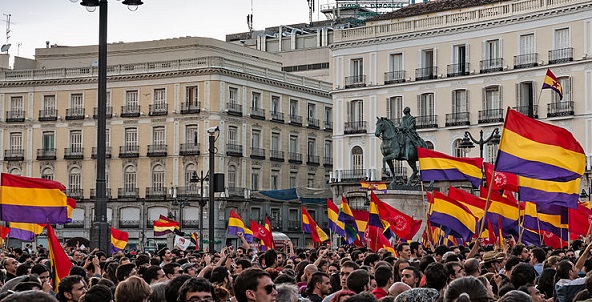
[158, 136]
[526, 44]
[427, 60]
[192, 95]
[460, 101]
[524, 96]
[491, 152]
[49, 103]
[233, 135]
[274, 180]
[357, 158]
[275, 104]
[355, 111]
[129, 178]
[276, 218]
[328, 149]
[46, 173]
[256, 100]
[394, 108]
[232, 176]
[48, 143]
[75, 179]
[16, 141]
[561, 38]
[293, 107]
[566, 88]
[293, 147]
[275, 141]
[458, 150]
[76, 140]
[108, 137]
[430, 145]
[256, 214]
[76, 101]
[357, 69]
[256, 138]
[492, 98]
[159, 99]
[131, 137]
[16, 104]
[255, 174]
[191, 137]
[492, 50]
[312, 146]
[425, 104]
[233, 95]
[158, 178]
[189, 170]
[396, 62]
[459, 57]
[328, 114]
[293, 179]
[312, 111]
[310, 181]
[131, 98]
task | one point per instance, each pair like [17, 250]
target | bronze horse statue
[394, 146]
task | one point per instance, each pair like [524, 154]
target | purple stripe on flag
[549, 198]
[161, 233]
[509, 163]
[15, 213]
[306, 227]
[531, 237]
[449, 174]
[21, 234]
[337, 230]
[232, 230]
[509, 226]
[457, 228]
[347, 220]
[534, 224]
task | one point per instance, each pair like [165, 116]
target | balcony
[93, 194]
[129, 224]
[130, 111]
[190, 223]
[156, 193]
[294, 225]
[394, 77]
[426, 73]
[258, 113]
[127, 193]
[313, 160]
[458, 119]
[294, 158]
[491, 116]
[190, 191]
[353, 175]
[234, 150]
[48, 115]
[46, 154]
[426, 122]
[157, 150]
[328, 161]
[129, 151]
[15, 116]
[77, 194]
[74, 153]
[457, 70]
[236, 191]
[295, 120]
[14, 155]
[561, 55]
[328, 126]
[234, 109]
[188, 149]
[400, 174]
[74, 224]
[108, 112]
[277, 117]
[275, 155]
[492, 65]
[190, 107]
[93, 155]
[74, 114]
[562, 108]
[355, 127]
[524, 110]
[355, 81]
[526, 61]
[257, 153]
[158, 109]
[312, 123]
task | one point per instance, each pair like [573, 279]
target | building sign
[371, 4]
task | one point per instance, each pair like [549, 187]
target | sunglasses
[269, 288]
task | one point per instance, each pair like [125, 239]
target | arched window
[357, 158]
[46, 173]
[231, 176]
[75, 179]
[158, 181]
[457, 150]
[430, 145]
[17, 171]
[129, 179]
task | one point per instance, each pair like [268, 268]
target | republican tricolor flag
[310, 226]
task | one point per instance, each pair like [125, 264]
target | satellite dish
[5, 47]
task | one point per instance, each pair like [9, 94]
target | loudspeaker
[219, 182]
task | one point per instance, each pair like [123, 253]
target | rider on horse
[412, 139]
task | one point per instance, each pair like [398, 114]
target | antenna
[311, 8]
[6, 46]
[250, 19]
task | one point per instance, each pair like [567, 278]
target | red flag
[268, 228]
[404, 226]
[376, 240]
[4, 232]
[502, 180]
[491, 238]
[553, 240]
[262, 233]
[579, 220]
[60, 263]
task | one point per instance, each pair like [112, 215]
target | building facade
[275, 131]
[458, 65]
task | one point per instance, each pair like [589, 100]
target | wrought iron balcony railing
[426, 73]
[561, 108]
[458, 119]
[312, 123]
[74, 153]
[492, 65]
[234, 109]
[491, 116]
[355, 81]
[426, 121]
[524, 110]
[257, 153]
[294, 158]
[158, 109]
[355, 127]
[189, 149]
[276, 155]
[156, 192]
[295, 119]
[393, 77]
[108, 112]
[46, 154]
[562, 55]
[159, 150]
[328, 161]
[129, 151]
[14, 155]
[15, 116]
[313, 160]
[234, 150]
[277, 116]
[93, 155]
[75, 114]
[328, 126]
[48, 115]
[258, 113]
[130, 111]
[190, 107]
[127, 193]
[526, 60]
[456, 70]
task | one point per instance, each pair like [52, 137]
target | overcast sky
[65, 23]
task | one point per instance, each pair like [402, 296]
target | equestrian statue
[399, 143]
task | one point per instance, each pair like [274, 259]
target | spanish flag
[60, 263]
[552, 83]
[119, 240]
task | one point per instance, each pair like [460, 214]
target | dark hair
[416, 272]
[539, 254]
[270, 257]
[162, 252]
[247, 280]
[371, 259]
[351, 264]
[511, 262]
[244, 263]
[284, 278]
[522, 274]
[436, 276]
[39, 269]
[357, 280]
[441, 250]
[66, 285]
[462, 288]
[515, 296]
[142, 259]
[314, 279]
[169, 268]
[171, 291]
[98, 293]
[123, 271]
[151, 273]
[219, 274]
[401, 245]
[471, 266]
[29, 295]
[563, 268]
[382, 275]
[362, 297]
[195, 285]
[414, 246]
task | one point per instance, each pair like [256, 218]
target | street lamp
[100, 231]
[202, 201]
[468, 140]
[214, 133]
[181, 204]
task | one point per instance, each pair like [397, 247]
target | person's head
[403, 250]
[536, 294]
[132, 289]
[41, 271]
[436, 276]
[566, 270]
[347, 268]
[241, 265]
[522, 252]
[488, 285]
[287, 292]
[383, 276]
[165, 254]
[71, 288]
[154, 274]
[254, 284]
[197, 289]
[454, 270]
[411, 275]
[171, 291]
[172, 270]
[362, 297]
[439, 252]
[522, 274]
[358, 281]
[398, 268]
[220, 275]
[515, 296]
[546, 282]
[98, 293]
[397, 288]
[416, 249]
[472, 267]
[30, 296]
[319, 284]
[466, 289]
[538, 256]
[124, 271]
[10, 265]
[270, 258]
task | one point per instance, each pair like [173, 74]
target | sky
[64, 22]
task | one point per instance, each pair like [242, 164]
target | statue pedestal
[410, 201]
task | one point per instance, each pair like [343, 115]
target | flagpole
[539, 226]
[487, 203]
[428, 228]
[521, 224]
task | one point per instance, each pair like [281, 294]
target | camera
[212, 130]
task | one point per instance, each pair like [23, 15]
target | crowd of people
[413, 273]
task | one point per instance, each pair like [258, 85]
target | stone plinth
[410, 202]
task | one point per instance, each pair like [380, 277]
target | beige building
[458, 65]
[275, 128]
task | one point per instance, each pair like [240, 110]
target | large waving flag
[119, 240]
[346, 216]
[236, 225]
[334, 224]
[404, 226]
[25, 231]
[310, 226]
[60, 263]
[579, 220]
[165, 219]
[502, 213]
[501, 181]
[554, 223]
[450, 214]
[548, 160]
[268, 228]
[439, 166]
[260, 232]
[475, 204]
[552, 83]
[32, 200]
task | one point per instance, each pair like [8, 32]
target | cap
[186, 266]
[491, 256]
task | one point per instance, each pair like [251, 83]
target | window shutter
[349, 116]
[388, 108]
[419, 106]
[501, 97]
[519, 101]
[568, 95]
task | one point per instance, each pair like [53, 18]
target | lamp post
[202, 201]
[468, 140]
[181, 204]
[214, 132]
[100, 232]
